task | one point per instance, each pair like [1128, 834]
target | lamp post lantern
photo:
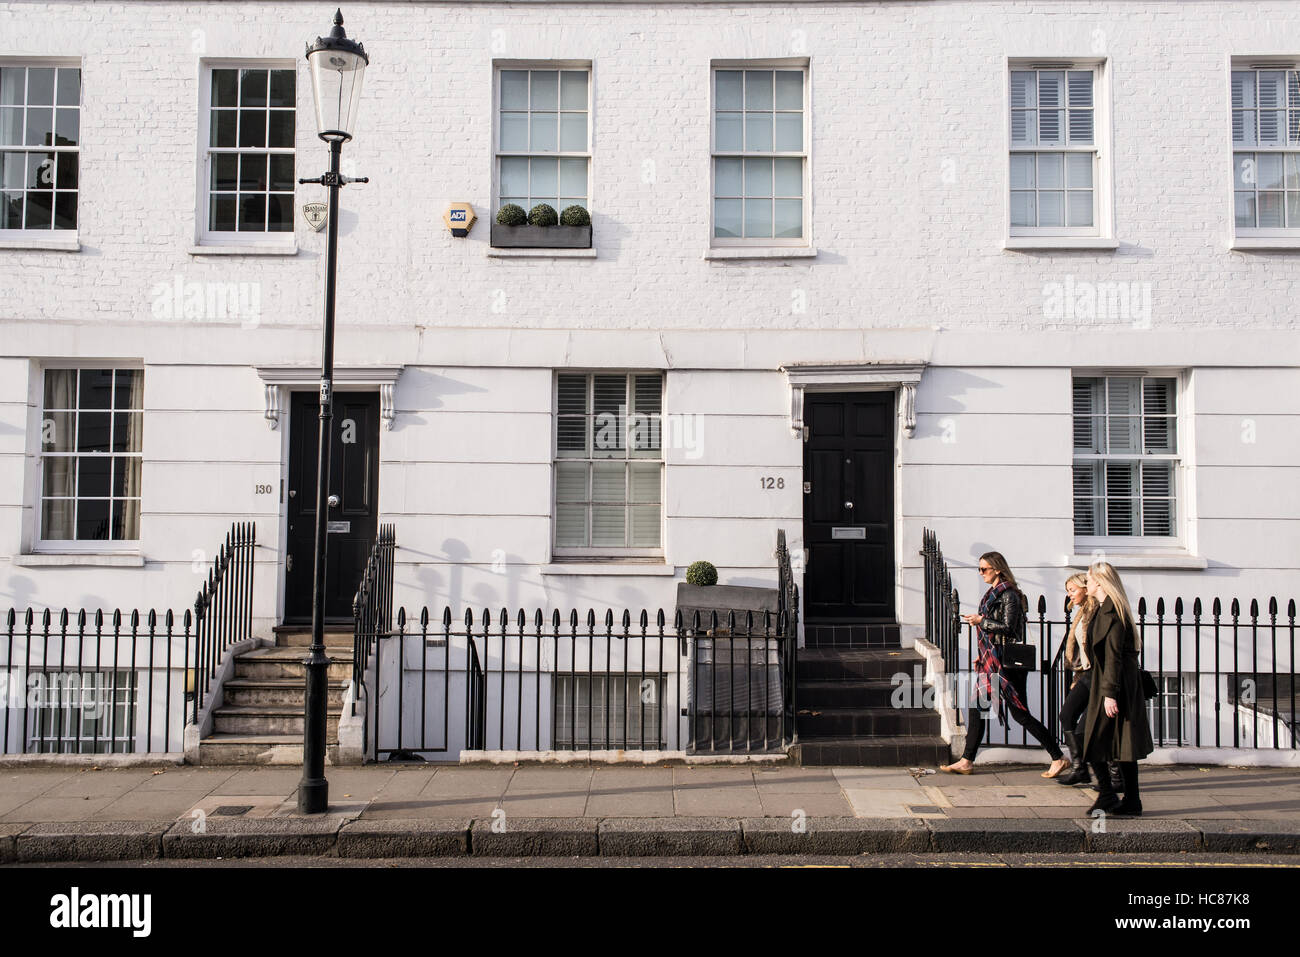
[337, 66]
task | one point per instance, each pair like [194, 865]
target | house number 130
[768, 482]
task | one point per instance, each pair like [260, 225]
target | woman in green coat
[1116, 727]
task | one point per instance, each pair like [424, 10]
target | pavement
[50, 814]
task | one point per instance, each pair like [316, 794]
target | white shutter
[1024, 116]
[1272, 107]
[1087, 497]
[1123, 408]
[1158, 424]
[1121, 498]
[1158, 498]
[1051, 112]
[1080, 93]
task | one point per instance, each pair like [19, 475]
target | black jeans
[1076, 705]
[975, 721]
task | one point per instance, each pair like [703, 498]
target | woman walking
[1075, 706]
[1116, 725]
[1001, 618]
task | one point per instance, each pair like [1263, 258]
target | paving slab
[266, 837]
[185, 779]
[876, 778]
[884, 802]
[92, 841]
[405, 838]
[551, 780]
[258, 780]
[811, 803]
[630, 804]
[471, 780]
[139, 805]
[99, 783]
[357, 784]
[718, 802]
[670, 837]
[44, 808]
[537, 804]
[534, 837]
[994, 813]
[1237, 836]
[733, 777]
[834, 835]
[1118, 835]
[1030, 795]
[406, 783]
[433, 809]
[811, 780]
[1033, 835]
[614, 779]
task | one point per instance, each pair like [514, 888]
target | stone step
[929, 751]
[821, 664]
[242, 692]
[819, 694]
[299, 636]
[867, 723]
[224, 749]
[850, 635]
[287, 663]
[269, 719]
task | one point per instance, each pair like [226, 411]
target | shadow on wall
[429, 386]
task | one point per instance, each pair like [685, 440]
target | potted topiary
[541, 228]
[702, 593]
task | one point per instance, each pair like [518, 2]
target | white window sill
[1265, 242]
[501, 252]
[53, 245]
[613, 567]
[1059, 242]
[57, 559]
[1178, 561]
[760, 252]
[251, 249]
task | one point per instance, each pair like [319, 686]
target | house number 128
[768, 482]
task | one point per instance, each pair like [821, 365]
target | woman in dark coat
[1116, 726]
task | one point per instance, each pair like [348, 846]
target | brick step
[269, 719]
[242, 692]
[929, 751]
[287, 663]
[819, 694]
[851, 635]
[820, 664]
[868, 723]
[257, 749]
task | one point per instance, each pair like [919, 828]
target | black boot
[1078, 773]
[1107, 799]
[1116, 776]
[1131, 806]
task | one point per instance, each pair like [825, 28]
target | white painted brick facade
[909, 159]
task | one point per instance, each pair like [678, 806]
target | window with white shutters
[600, 712]
[1055, 156]
[1126, 457]
[1266, 151]
[608, 464]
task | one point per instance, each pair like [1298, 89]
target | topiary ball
[511, 215]
[575, 216]
[701, 573]
[542, 215]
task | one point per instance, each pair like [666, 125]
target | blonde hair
[1108, 580]
[1079, 624]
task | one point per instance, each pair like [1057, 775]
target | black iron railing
[223, 609]
[372, 608]
[83, 684]
[1224, 680]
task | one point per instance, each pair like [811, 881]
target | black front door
[354, 478]
[848, 516]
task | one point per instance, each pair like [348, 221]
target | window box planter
[541, 237]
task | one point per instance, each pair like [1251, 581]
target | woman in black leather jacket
[1001, 618]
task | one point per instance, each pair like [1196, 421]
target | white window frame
[1163, 702]
[1156, 545]
[494, 182]
[208, 237]
[606, 552]
[781, 63]
[52, 235]
[1256, 64]
[1100, 148]
[72, 546]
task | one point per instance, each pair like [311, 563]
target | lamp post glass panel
[337, 66]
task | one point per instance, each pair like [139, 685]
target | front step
[832, 634]
[223, 749]
[292, 692]
[899, 751]
[263, 663]
[866, 722]
[299, 636]
[269, 719]
[832, 664]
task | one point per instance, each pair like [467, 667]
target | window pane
[727, 215]
[758, 89]
[225, 88]
[788, 176]
[93, 474]
[40, 127]
[728, 132]
[252, 213]
[645, 481]
[789, 132]
[758, 218]
[39, 213]
[545, 132]
[281, 135]
[1080, 127]
[1024, 128]
[223, 128]
[1050, 171]
[1080, 87]
[252, 172]
[1269, 171]
[57, 519]
[40, 171]
[758, 177]
[281, 178]
[252, 128]
[544, 179]
[1022, 171]
[1051, 208]
[1078, 171]
[608, 525]
[67, 127]
[127, 428]
[608, 482]
[573, 89]
[758, 132]
[789, 89]
[13, 79]
[728, 90]
[1243, 89]
[571, 525]
[1245, 205]
[1023, 89]
[645, 526]
[126, 524]
[58, 430]
[1079, 210]
[40, 86]
[573, 132]
[223, 213]
[1293, 170]
[546, 90]
[11, 126]
[571, 480]
[514, 89]
[11, 211]
[60, 388]
[92, 519]
[1270, 209]
[96, 389]
[60, 478]
[225, 171]
[279, 212]
[252, 87]
[788, 219]
[1023, 209]
[1293, 209]
[283, 88]
[1121, 498]
[514, 132]
[727, 177]
[514, 176]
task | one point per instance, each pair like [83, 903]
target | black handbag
[1019, 656]
[1149, 687]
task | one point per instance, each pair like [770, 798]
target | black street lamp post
[337, 66]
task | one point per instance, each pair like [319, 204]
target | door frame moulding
[279, 379]
[854, 376]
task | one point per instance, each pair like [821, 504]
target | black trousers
[975, 721]
[1076, 705]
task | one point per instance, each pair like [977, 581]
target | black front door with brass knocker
[848, 515]
[354, 485]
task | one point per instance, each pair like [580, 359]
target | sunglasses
[985, 568]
